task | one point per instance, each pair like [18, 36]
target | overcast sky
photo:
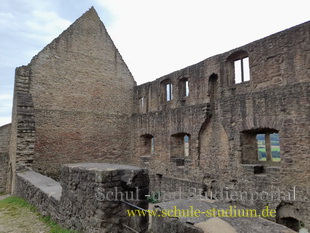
[155, 37]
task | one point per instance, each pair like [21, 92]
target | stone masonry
[95, 197]
[219, 115]
[194, 128]
[4, 155]
[80, 92]
[79, 201]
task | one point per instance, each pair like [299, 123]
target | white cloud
[6, 104]
[46, 25]
[5, 97]
[5, 17]
[5, 120]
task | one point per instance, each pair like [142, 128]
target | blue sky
[155, 37]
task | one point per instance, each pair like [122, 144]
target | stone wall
[78, 102]
[80, 93]
[166, 188]
[80, 201]
[4, 155]
[218, 113]
[22, 138]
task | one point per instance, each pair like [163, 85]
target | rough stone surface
[4, 155]
[218, 114]
[78, 202]
[77, 102]
[215, 225]
[208, 224]
[80, 91]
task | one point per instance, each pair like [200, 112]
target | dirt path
[20, 220]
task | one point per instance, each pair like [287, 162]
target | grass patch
[55, 228]
[15, 202]
[12, 207]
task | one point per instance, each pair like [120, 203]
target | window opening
[169, 92]
[242, 70]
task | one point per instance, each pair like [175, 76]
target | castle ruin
[77, 102]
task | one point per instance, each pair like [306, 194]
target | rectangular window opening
[147, 145]
[186, 88]
[152, 145]
[180, 144]
[142, 102]
[261, 147]
[238, 75]
[268, 146]
[169, 92]
[246, 69]
[186, 146]
[242, 70]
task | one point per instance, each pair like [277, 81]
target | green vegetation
[154, 198]
[55, 228]
[15, 207]
[12, 203]
[275, 147]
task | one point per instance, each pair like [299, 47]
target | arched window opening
[167, 90]
[242, 70]
[239, 66]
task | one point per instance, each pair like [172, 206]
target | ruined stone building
[76, 101]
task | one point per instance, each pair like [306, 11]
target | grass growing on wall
[25, 217]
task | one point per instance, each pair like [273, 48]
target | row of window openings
[242, 74]
[179, 145]
[169, 90]
[268, 146]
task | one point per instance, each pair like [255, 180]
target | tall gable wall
[82, 92]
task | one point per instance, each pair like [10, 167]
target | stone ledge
[101, 166]
[47, 185]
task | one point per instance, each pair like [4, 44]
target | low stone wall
[95, 197]
[89, 197]
[41, 191]
[171, 188]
